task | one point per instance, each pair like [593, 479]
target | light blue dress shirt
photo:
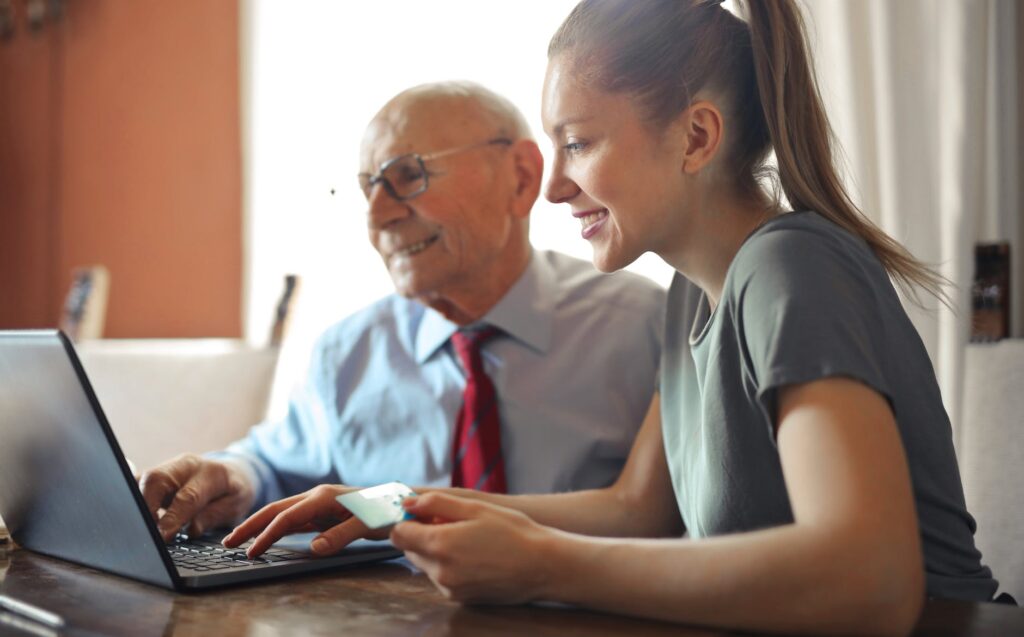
[574, 370]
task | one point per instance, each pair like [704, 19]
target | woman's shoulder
[793, 233]
[801, 240]
[804, 254]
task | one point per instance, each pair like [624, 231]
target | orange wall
[27, 240]
[120, 144]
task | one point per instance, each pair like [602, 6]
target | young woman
[799, 439]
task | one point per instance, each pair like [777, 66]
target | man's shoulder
[579, 281]
[388, 316]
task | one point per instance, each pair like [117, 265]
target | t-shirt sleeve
[807, 308]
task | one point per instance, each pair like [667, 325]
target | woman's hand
[314, 510]
[479, 552]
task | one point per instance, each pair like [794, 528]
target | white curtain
[923, 98]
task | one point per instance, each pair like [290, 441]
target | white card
[378, 506]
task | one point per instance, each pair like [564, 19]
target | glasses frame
[379, 178]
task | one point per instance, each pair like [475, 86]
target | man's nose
[560, 188]
[383, 208]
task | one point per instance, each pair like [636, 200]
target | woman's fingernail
[320, 545]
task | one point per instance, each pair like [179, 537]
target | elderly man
[495, 366]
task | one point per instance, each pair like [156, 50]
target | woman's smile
[592, 220]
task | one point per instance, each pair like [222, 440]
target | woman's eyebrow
[560, 126]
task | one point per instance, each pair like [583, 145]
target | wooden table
[389, 598]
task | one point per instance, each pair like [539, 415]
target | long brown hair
[664, 51]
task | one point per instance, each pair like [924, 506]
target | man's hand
[314, 510]
[192, 490]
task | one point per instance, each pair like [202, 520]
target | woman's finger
[426, 539]
[258, 521]
[445, 506]
[318, 503]
[338, 537]
[430, 569]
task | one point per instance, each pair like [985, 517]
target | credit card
[379, 506]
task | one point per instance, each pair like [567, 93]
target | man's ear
[701, 128]
[529, 167]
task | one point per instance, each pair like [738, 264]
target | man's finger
[190, 499]
[159, 485]
[156, 486]
[220, 512]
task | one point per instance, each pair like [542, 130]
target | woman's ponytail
[664, 52]
[803, 140]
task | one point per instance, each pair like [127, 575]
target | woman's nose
[560, 188]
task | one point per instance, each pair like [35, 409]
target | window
[314, 74]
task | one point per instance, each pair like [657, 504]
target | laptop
[66, 489]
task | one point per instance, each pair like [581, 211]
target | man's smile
[415, 248]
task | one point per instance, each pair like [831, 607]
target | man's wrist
[246, 477]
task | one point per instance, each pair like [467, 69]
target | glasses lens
[365, 184]
[406, 176]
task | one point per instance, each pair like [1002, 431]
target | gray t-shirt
[803, 300]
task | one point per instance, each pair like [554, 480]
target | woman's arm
[850, 563]
[639, 504]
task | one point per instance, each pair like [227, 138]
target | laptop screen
[65, 489]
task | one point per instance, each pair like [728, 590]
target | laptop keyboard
[208, 555]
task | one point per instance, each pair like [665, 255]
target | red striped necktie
[477, 461]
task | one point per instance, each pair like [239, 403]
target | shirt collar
[526, 313]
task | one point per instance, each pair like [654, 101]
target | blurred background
[190, 148]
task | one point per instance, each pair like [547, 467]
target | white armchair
[991, 454]
[165, 397]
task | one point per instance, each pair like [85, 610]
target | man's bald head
[460, 239]
[454, 113]
[459, 106]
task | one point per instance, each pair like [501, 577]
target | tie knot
[467, 344]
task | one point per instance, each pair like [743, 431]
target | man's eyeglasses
[405, 176]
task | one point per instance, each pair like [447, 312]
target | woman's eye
[574, 147]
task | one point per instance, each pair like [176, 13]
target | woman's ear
[529, 170]
[701, 127]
